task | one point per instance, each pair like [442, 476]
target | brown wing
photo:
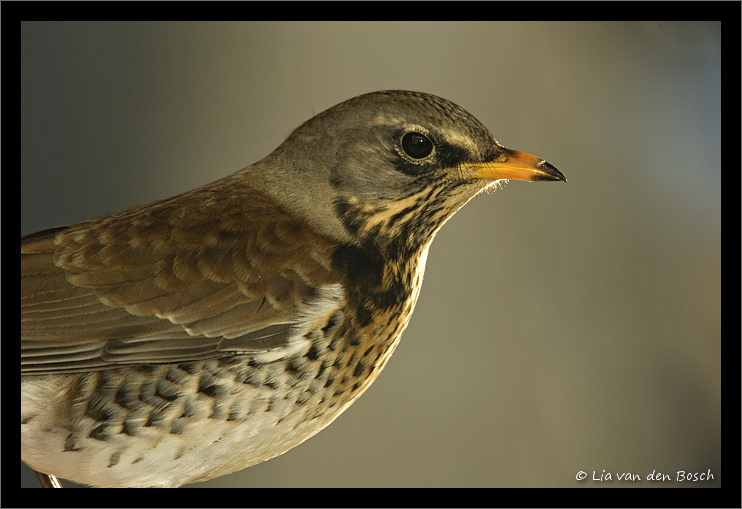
[209, 273]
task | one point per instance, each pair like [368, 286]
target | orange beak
[513, 165]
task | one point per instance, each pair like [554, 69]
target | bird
[185, 339]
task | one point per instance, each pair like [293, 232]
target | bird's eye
[416, 145]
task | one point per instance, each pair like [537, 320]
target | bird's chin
[490, 186]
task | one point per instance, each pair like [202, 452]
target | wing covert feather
[168, 282]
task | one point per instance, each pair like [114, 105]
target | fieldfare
[185, 339]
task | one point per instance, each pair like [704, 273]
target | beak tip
[550, 172]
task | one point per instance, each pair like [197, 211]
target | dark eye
[416, 145]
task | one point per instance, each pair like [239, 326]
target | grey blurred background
[561, 327]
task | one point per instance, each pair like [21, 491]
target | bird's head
[390, 165]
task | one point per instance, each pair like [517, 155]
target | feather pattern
[108, 291]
